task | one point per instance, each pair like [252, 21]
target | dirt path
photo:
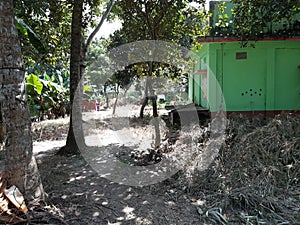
[100, 128]
[78, 195]
[83, 197]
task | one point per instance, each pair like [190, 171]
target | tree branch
[147, 18]
[157, 19]
[103, 18]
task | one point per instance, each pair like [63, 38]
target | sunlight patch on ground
[129, 215]
[122, 137]
[44, 146]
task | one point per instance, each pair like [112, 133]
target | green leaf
[33, 80]
[46, 77]
[33, 38]
[87, 88]
[55, 87]
[21, 28]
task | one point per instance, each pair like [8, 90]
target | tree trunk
[20, 165]
[155, 113]
[145, 99]
[106, 96]
[116, 101]
[75, 138]
[153, 98]
[144, 103]
[1, 129]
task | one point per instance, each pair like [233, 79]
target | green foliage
[258, 18]
[51, 73]
[45, 32]
[34, 85]
[99, 69]
[46, 98]
[44, 28]
[254, 19]
[221, 23]
[93, 9]
[25, 30]
[170, 20]
[122, 78]
[173, 21]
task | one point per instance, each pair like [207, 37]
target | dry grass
[255, 178]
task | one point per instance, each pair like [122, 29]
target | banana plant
[46, 98]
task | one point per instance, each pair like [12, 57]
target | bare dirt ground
[255, 179]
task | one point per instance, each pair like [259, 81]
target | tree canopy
[167, 20]
[44, 29]
[254, 19]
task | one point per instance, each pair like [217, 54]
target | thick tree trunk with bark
[79, 49]
[75, 138]
[1, 128]
[20, 165]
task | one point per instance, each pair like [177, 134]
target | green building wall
[262, 76]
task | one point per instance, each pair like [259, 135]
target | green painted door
[244, 79]
[287, 79]
[197, 89]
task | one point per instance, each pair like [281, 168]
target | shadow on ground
[81, 196]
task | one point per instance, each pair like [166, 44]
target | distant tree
[99, 69]
[121, 79]
[20, 164]
[167, 20]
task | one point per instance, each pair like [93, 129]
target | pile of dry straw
[255, 177]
